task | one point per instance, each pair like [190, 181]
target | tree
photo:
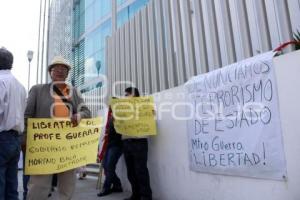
[297, 39]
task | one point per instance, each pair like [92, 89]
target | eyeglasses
[62, 69]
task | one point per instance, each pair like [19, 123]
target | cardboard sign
[134, 116]
[55, 146]
[235, 126]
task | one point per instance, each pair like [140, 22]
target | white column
[153, 48]
[114, 15]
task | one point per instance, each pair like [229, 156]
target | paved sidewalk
[85, 190]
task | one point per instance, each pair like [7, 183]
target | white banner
[234, 124]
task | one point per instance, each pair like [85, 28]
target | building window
[95, 49]
[78, 63]
[120, 2]
[78, 20]
[128, 12]
[96, 10]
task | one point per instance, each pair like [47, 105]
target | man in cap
[55, 100]
[12, 106]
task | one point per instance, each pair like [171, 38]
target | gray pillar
[114, 15]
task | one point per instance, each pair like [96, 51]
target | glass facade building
[60, 29]
[78, 30]
[93, 21]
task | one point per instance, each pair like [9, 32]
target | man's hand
[75, 119]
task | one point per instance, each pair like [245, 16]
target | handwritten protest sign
[55, 145]
[134, 116]
[235, 125]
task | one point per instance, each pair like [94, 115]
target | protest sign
[134, 116]
[235, 125]
[55, 146]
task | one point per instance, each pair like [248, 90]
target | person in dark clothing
[113, 152]
[136, 156]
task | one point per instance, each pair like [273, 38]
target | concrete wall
[168, 161]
